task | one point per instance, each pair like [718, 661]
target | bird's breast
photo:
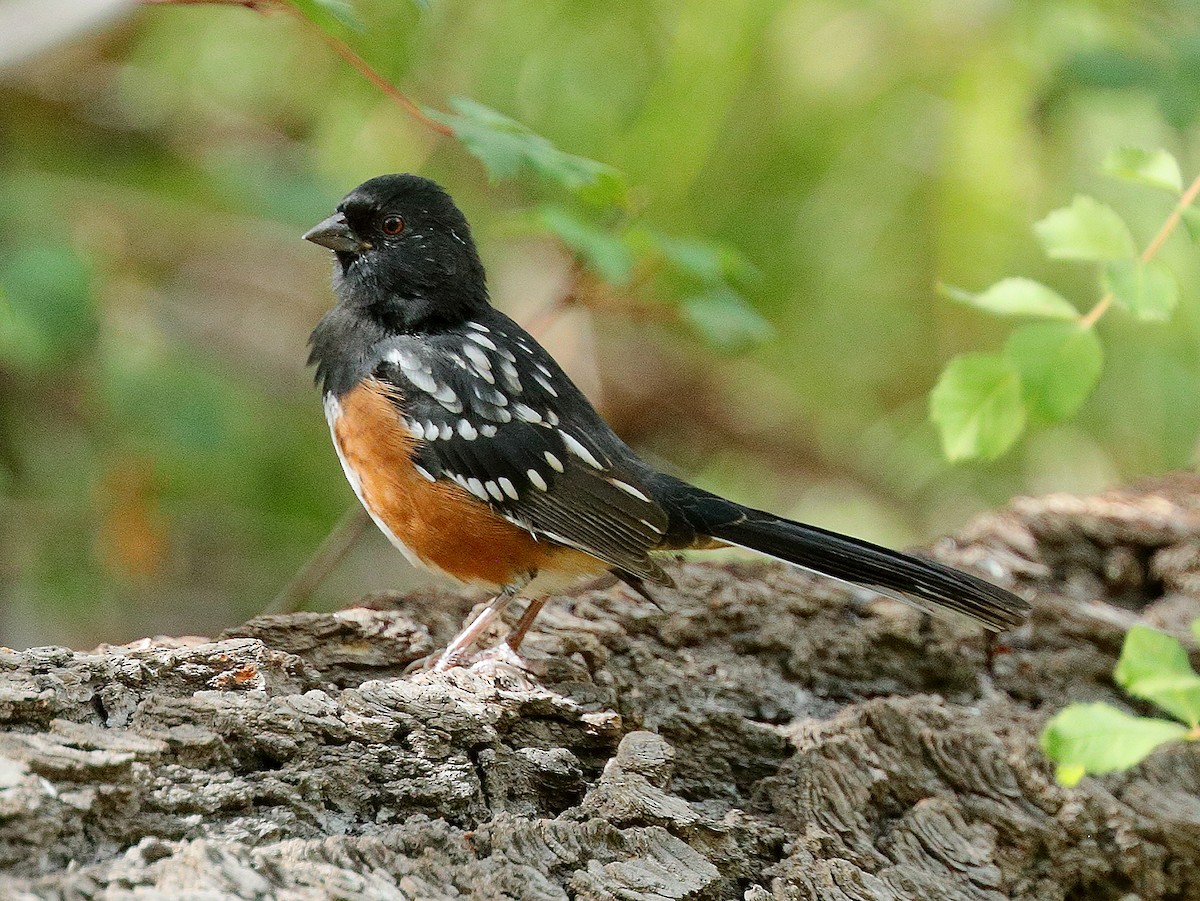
[435, 524]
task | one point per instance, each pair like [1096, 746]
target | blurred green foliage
[796, 175]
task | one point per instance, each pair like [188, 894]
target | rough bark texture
[763, 735]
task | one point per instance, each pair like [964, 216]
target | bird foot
[500, 659]
[492, 661]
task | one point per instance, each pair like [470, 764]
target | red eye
[393, 225]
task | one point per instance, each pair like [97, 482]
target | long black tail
[923, 583]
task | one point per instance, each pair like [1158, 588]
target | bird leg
[517, 635]
[462, 642]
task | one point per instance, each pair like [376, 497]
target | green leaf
[1097, 738]
[711, 262]
[1154, 667]
[328, 14]
[1085, 230]
[1059, 362]
[600, 248]
[724, 319]
[976, 406]
[1069, 774]
[506, 148]
[1015, 297]
[1148, 290]
[1156, 168]
[1191, 221]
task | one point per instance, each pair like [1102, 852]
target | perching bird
[478, 457]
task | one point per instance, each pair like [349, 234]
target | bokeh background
[164, 463]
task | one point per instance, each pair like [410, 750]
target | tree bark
[764, 735]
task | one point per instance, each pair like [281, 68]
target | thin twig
[342, 49]
[1156, 243]
[249, 4]
[323, 561]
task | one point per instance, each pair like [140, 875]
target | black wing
[495, 414]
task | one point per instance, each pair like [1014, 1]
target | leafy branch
[1085, 739]
[983, 401]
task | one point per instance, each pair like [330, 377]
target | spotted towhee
[478, 457]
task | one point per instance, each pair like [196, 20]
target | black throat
[344, 348]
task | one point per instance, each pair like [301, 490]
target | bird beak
[336, 234]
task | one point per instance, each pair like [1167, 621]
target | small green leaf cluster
[1096, 738]
[508, 148]
[983, 401]
[702, 278]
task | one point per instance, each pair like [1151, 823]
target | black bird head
[405, 256]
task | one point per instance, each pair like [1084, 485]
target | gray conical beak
[336, 234]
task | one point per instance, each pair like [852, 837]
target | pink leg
[470, 634]
[517, 635]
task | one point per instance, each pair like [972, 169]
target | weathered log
[762, 735]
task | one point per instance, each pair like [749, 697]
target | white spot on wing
[423, 472]
[431, 430]
[545, 383]
[476, 488]
[404, 359]
[487, 430]
[512, 379]
[554, 536]
[508, 488]
[494, 490]
[526, 413]
[476, 325]
[467, 430]
[421, 378]
[420, 373]
[574, 447]
[554, 462]
[445, 431]
[445, 394]
[629, 489]
[535, 478]
[482, 341]
[490, 396]
[517, 521]
[478, 359]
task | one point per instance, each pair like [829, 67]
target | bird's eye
[393, 225]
